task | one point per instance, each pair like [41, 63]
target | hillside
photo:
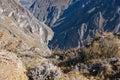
[75, 21]
[16, 22]
[21, 36]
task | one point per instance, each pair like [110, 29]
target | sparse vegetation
[45, 71]
[100, 49]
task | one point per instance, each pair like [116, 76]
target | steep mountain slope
[81, 22]
[75, 21]
[49, 10]
[18, 24]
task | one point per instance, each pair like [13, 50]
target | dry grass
[11, 67]
[101, 49]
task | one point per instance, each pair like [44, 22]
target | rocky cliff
[17, 23]
[76, 21]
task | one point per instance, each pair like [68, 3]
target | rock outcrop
[11, 68]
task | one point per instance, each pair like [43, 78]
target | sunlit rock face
[20, 23]
[75, 21]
